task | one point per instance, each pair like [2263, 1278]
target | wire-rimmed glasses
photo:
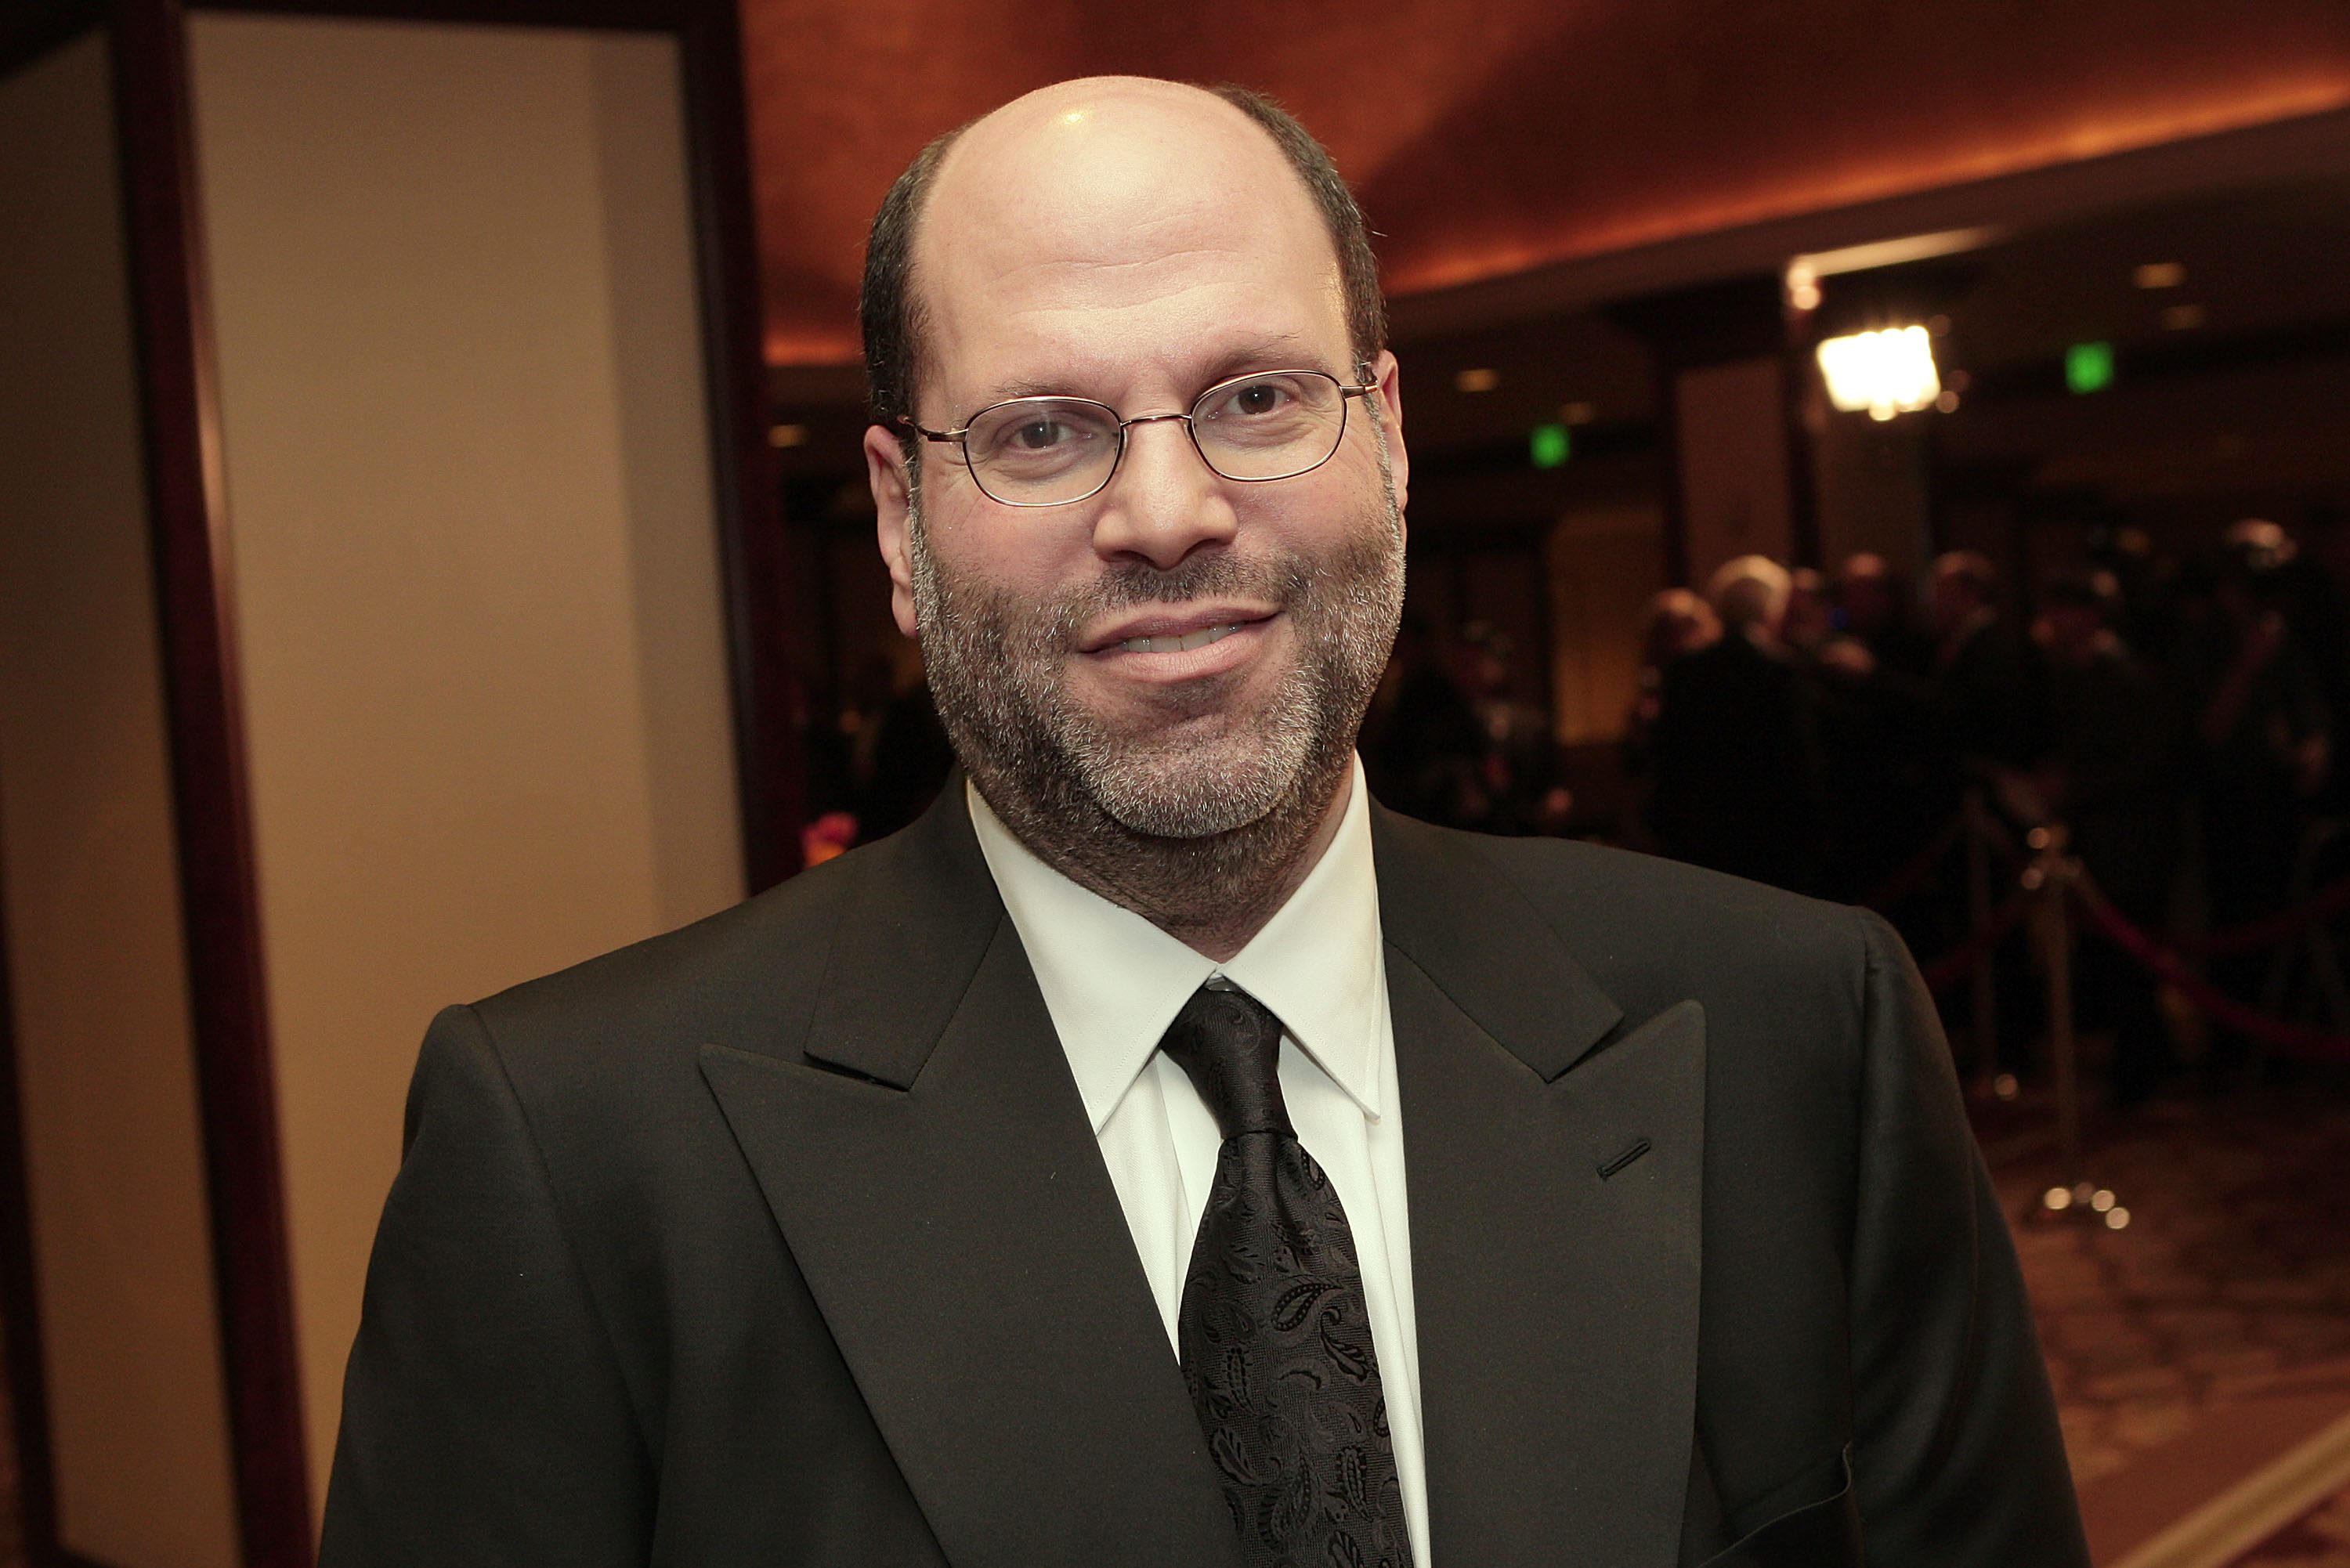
[1052, 451]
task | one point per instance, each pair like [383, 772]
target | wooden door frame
[189, 533]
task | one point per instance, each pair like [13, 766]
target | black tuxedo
[785, 1239]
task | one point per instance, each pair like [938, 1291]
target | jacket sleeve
[484, 1418]
[1957, 1457]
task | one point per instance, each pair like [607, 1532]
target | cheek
[1028, 557]
[1316, 510]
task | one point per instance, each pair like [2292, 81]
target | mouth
[1181, 650]
[1183, 644]
[1175, 631]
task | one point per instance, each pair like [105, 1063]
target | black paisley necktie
[1276, 1343]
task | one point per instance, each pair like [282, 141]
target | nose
[1165, 502]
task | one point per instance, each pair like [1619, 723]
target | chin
[1198, 787]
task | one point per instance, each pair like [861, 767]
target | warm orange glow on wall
[1538, 133]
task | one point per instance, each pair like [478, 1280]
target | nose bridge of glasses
[1190, 429]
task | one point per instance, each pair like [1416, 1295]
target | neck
[1212, 894]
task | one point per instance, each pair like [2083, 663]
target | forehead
[1102, 238]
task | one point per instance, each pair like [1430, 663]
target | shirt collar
[1113, 981]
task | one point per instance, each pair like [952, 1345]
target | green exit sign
[2089, 367]
[1550, 446]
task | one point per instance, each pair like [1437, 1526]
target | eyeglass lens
[1036, 451]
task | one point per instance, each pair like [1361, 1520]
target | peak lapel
[1555, 1190]
[947, 1203]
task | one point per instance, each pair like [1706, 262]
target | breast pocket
[1822, 1534]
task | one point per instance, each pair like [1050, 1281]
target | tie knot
[1229, 1045]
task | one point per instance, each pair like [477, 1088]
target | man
[1875, 609]
[2113, 774]
[1737, 741]
[1986, 701]
[1157, 1153]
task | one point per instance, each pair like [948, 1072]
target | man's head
[1866, 593]
[1749, 595]
[2076, 609]
[1964, 584]
[1810, 620]
[1134, 243]
[890, 307]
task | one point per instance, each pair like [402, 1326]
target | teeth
[1177, 644]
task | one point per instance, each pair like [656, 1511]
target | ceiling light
[1894, 253]
[1578, 413]
[2183, 317]
[1887, 372]
[2159, 274]
[1803, 286]
[781, 436]
[1479, 380]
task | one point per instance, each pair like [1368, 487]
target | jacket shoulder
[1653, 931]
[747, 972]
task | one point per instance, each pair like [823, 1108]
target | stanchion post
[2050, 878]
[2047, 877]
[1984, 1041]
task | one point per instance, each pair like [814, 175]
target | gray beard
[1197, 816]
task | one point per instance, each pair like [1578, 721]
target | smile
[1183, 644]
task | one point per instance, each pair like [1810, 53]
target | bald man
[1159, 1154]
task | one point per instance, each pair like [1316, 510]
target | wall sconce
[1888, 372]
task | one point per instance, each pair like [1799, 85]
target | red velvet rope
[2269, 929]
[2167, 966]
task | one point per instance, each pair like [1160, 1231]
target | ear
[1389, 377]
[885, 471]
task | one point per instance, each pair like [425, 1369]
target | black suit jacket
[783, 1239]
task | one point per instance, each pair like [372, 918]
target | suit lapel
[931, 1165]
[1554, 1186]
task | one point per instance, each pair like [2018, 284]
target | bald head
[1106, 178]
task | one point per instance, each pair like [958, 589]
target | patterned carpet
[2319, 1538]
[2233, 1279]
[2226, 1295]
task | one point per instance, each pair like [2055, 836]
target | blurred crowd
[2179, 716]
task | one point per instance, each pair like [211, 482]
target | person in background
[2113, 776]
[900, 752]
[1872, 734]
[1873, 607]
[1517, 766]
[2318, 595]
[1986, 710]
[2265, 744]
[1736, 750]
[1809, 626]
[1679, 623]
[1421, 742]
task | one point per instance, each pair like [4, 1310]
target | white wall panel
[475, 552]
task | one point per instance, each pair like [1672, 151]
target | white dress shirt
[1113, 982]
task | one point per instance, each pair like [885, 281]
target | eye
[1254, 400]
[1035, 433]
[1039, 434]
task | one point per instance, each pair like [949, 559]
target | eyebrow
[1270, 353]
